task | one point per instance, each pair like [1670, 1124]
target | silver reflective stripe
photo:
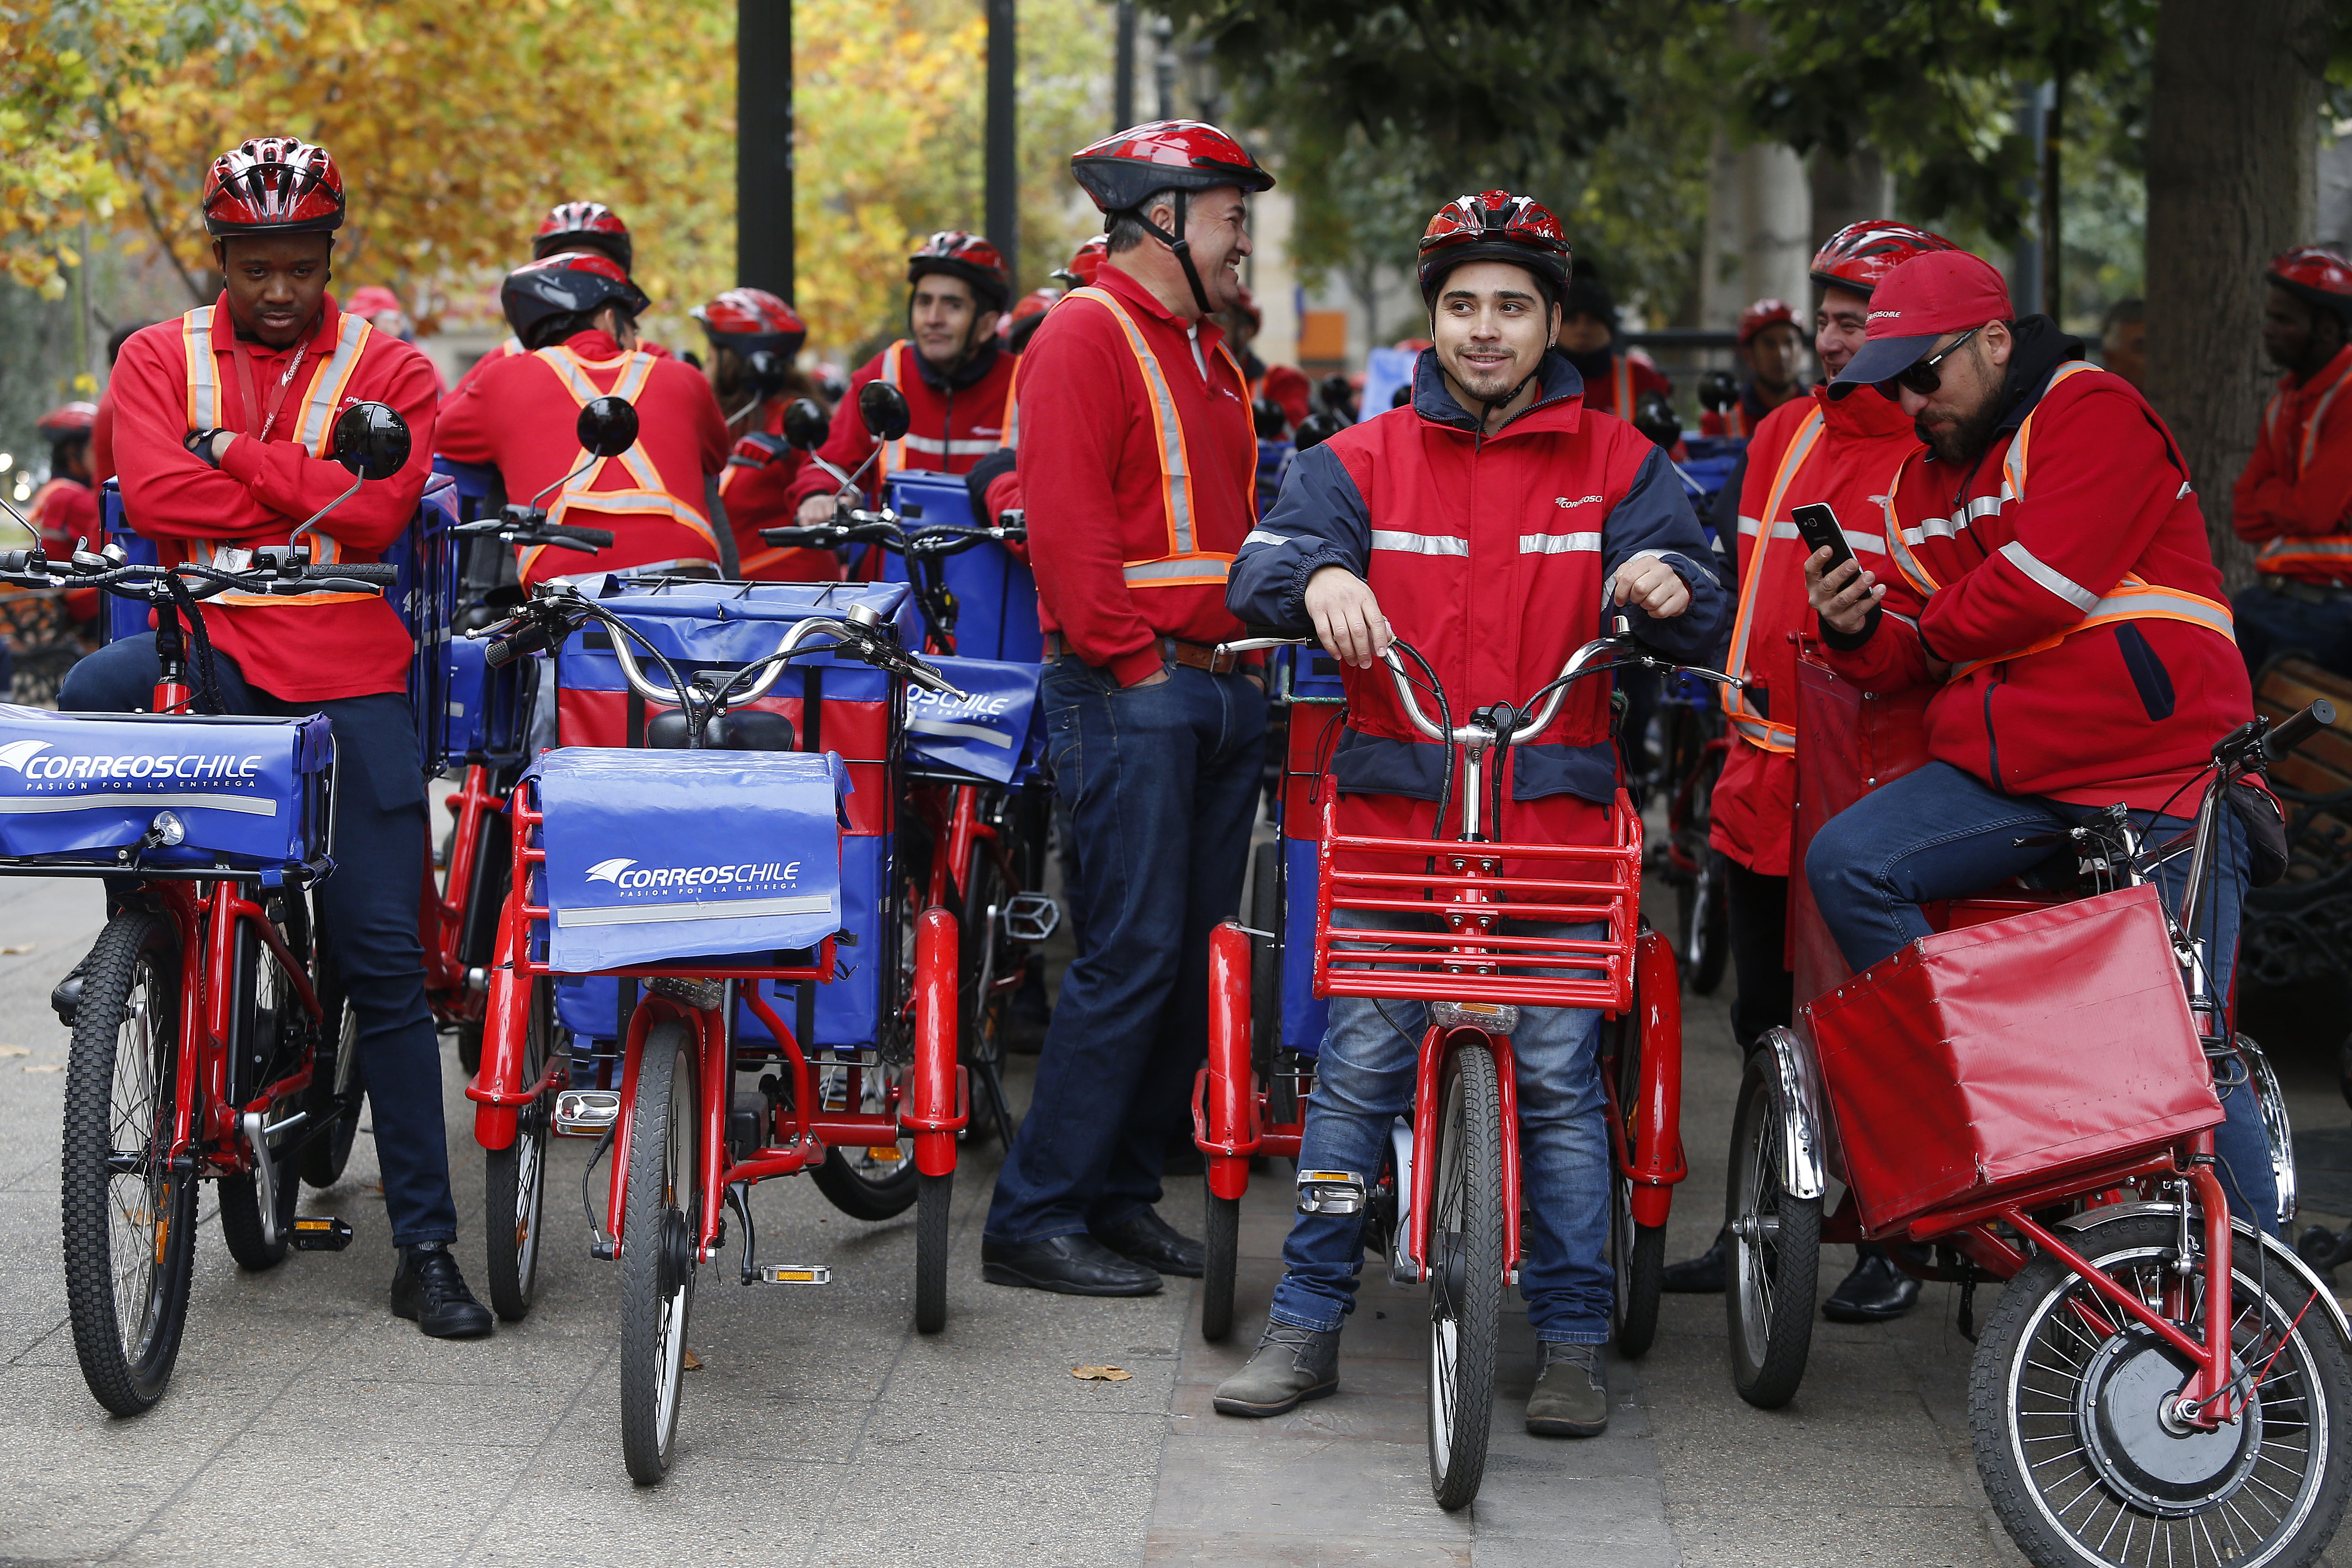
[2049, 577]
[1752, 526]
[1756, 731]
[2173, 607]
[326, 385]
[1174, 472]
[1873, 543]
[937, 448]
[1264, 536]
[961, 731]
[2284, 546]
[1557, 543]
[204, 393]
[1419, 543]
[1202, 566]
[2311, 425]
[41, 805]
[716, 910]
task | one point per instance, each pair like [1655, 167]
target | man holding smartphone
[2052, 581]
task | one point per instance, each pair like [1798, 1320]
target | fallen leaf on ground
[20, 947]
[1102, 1374]
[45, 1066]
[14, 1051]
[691, 1363]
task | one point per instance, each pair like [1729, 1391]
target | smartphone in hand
[1817, 525]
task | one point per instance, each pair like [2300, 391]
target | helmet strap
[1180, 246]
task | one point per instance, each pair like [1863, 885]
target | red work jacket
[756, 490]
[949, 430]
[2295, 500]
[316, 647]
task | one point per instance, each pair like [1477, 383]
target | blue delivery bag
[989, 735]
[249, 794]
[655, 856]
[995, 593]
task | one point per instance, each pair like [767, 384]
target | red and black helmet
[1858, 256]
[1122, 170]
[1079, 272]
[584, 225]
[274, 184]
[1494, 226]
[752, 321]
[953, 252]
[67, 422]
[2317, 276]
[1762, 314]
[571, 282]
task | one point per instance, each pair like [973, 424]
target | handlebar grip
[596, 538]
[525, 639]
[2301, 727]
[380, 574]
[820, 538]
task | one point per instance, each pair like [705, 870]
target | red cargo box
[2010, 1052]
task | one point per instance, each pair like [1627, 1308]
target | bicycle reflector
[1494, 1017]
[1330, 1192]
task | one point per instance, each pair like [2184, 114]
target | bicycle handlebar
[534, 529]
[2301, 727]
[887, 529]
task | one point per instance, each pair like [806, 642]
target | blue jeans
[1364, 1081]
[2271, 623]
[1941, 833]
[367, 911]
[1161, 781]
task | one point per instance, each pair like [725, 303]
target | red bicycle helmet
[575, 282]
[957, 254]
[752, 321]
[1762, 314]
[278, 185]
[1123, 171]
[67, 422]
[1079, 272]
[1494, 226]
[584, 225]
[1858, 256]
[2317, 276]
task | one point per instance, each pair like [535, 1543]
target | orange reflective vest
[644, 495]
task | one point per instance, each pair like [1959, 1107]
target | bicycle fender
[2277, 1251]
[1804, 1173]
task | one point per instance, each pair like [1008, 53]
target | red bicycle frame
[442, 922]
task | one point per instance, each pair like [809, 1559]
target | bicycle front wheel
[1465, 1274]
[129, 1217]
[661, 1226]
[515, 1177]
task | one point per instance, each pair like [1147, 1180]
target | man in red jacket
[65, 508]
[1772, 350]
[576, 314]
[1488, 522]
[1137, 462]
[1613, 382]
[2295, 500]
[755, 337]
[223, 435]
[2052, 583]
[957, 380]
[1842, 452]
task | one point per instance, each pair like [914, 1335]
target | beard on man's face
[1960, 438]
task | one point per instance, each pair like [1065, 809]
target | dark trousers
[1758, 907]
[367, 911]
[1942, 833]
[2271, 623]
[1161, 783]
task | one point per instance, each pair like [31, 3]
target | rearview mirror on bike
[607, 426]
[884, 409]
[371, 440]
[805, 425]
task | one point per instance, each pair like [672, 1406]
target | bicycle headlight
[167, 829]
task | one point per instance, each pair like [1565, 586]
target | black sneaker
[427, 1289]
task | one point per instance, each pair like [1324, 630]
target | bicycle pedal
[319, 1233]
[795, 1274]
[1330, 1192]
[1031, 917]
[586, 1112]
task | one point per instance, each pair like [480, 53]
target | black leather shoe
[1704, 1275]
[1065, 1264]
[1875, 1291]
[66, 1000]
[1151, 1241]
[427, 1289]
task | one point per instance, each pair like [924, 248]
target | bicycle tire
[1465, 1274]
[323, 1158]
[1219, 1260]
[515, 1178]
[258, 1050]
[130, 986]
[1265, 955]
[1637, 1254]
[979, 1044]
[932, 1195]
[1707, 921]
[659, 1224]
[1776, 1251]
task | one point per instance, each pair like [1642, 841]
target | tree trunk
[2233, 133]
[1847, 190]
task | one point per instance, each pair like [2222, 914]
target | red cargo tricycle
[2029, 1095]
[1428, 922]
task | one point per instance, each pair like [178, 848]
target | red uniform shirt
[756, 490]
[65, 511]
[1852, 448]
[949, 430]
[519, 412]
[101, 439]
[1124, 553]
[318, 647]
[1618, 388]
[2295, 500]
[2075, 599]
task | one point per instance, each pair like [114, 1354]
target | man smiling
[1493, 520]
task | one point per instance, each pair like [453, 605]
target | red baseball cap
[1919, 301]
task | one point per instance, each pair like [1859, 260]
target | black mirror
[1270, 419]
[1337, 395]
[1319, 427]
[1654, 417]
[805, 425]
[1717, 391]
[371, 440]
[764, 371]
[608, 426]
[884, 409]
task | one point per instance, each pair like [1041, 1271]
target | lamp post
[1004, 172]
[763, 145]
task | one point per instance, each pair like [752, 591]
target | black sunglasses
[1922, 377]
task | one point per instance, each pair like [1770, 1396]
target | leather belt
[1192, 655]
[2308, 592]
